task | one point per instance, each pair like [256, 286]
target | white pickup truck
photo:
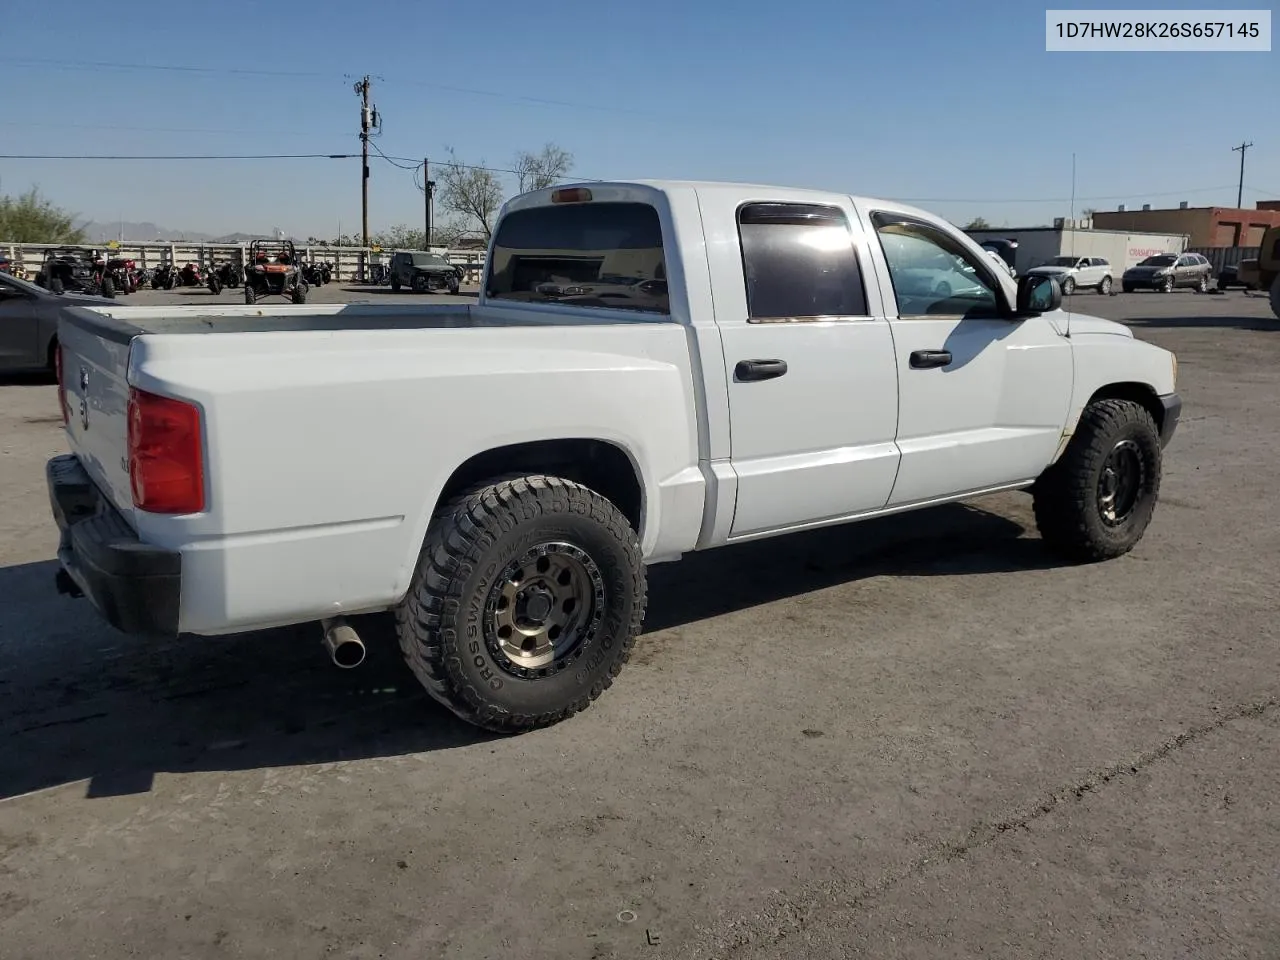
[651, 368]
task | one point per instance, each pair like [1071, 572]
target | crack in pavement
[789, 914]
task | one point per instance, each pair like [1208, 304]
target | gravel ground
[921, 737]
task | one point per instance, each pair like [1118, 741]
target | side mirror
[1038, 294]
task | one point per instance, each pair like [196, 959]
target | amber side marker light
[571, 195]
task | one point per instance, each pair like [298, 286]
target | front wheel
[528, 596]
[419, 284]
[1275, 297]
[395, 285]
[56, 286]
[1128, 287]
[250, 295]
[1104, 287]
[215, 287]
[108, 288]
[1167, 285]
[1096, 502]
[1068, 286]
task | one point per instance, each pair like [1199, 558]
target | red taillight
[62, 389]
[166, 462]
[571, 195]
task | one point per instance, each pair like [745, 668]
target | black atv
[274, 271]
[78, 269]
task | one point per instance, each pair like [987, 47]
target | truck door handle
[924, 359]
[748, 371]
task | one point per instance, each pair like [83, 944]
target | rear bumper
[1172, 404]
[136, 587]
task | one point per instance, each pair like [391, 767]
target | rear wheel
[526, 602]
[1096, 502]
[1275, 297]
[1104, 287]
[1203, 285]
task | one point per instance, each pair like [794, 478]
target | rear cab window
[590, 255]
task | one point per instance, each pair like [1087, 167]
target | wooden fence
[350, 263]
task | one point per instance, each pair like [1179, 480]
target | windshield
[429, 260]
[1161, 261]
[7, 279]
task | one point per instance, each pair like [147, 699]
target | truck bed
[122, 324]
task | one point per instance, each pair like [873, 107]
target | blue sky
[954, 103]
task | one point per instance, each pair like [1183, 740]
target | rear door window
[799, 263]
[581, 255]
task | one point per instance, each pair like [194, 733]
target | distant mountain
[97, 232]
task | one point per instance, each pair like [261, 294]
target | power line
[307, 74]
[179, 156]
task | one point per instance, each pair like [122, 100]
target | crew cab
[651, 368]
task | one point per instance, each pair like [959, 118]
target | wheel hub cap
[1120, 485]
[542, 608]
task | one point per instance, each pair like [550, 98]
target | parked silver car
[1166, 271]
[29, 322]
[1074, 273]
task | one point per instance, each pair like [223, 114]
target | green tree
[30, 218]
[977, 223]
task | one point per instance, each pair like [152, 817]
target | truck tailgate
[95, 376]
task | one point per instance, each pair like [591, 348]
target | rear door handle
[925, 359]
[748, 371]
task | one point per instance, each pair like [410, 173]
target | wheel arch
[603, 465]
[1140, 393]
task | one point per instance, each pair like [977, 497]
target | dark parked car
[422, 272]
[1167, 271]
[1229, 277]
[29, 322]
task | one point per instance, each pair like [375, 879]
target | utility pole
[368, 120]
[1240, 190]
[428, 193]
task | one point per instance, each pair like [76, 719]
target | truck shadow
[82, 702]
[1205, 323]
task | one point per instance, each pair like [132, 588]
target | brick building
[1205, 226]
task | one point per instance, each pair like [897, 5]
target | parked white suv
[650, 369]
[1073, 273]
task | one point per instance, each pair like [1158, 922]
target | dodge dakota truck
[651, 368]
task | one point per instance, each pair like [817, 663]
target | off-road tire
[108, 288]
[215, 286]
[1067, 499]
[395, 285]
[299, 294]
[250, 295]
[453, 289]
[1104, 287]
[420, 284]
[1068, 286]
[442, 622]
[1275, 297]
[56, 286]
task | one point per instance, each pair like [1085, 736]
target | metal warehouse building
[1121, 248]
